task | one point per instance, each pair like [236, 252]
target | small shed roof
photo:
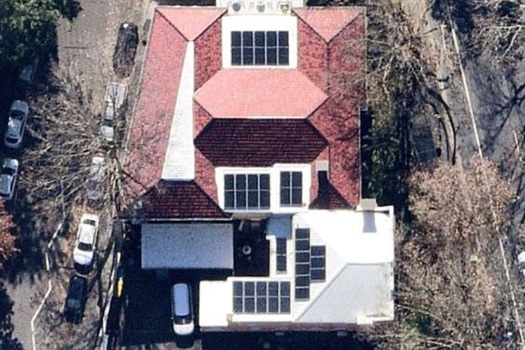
[187, 246]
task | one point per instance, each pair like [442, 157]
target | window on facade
[247, 191]
[291, 188]
[259, 48]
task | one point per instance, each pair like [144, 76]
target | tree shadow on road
[29, 262]
[7, 342]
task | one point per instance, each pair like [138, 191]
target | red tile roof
[326, 21]
[179, 200]
[259, 93]
[316, 109]
[149, 133]
[190, 21]
[259, 142]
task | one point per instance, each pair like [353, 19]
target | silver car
[8, 177]
[18, 114]
[95, 179]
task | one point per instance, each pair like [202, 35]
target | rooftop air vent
[260, 6]
[236, 6]
[285, 7]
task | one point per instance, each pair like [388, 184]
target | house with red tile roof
[243, 156]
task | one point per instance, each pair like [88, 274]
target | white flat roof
[357, 237]
[187, 246]
[215, 303]
[359, 274]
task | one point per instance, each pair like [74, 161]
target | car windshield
[107, 122]
[90, 222]
[8, 171]
[85, 246]
[73, 303]
[17, 114]
[183, 319]
[11, 139]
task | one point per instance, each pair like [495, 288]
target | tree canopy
[452, 290]
[28, 27]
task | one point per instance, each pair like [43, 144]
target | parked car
[85, 244]
[8, 177]
[27, 73]
[18, 114]
[521, 263]
[182, 309]
[107, 129]
[125, 49]
[95, 179]
[76, 299]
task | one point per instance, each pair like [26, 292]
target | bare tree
[65, 135]
[451, 288]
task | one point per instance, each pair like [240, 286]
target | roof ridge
[209, 25]
[303, 10]
[169, 22]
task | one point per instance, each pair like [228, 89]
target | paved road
[85, 48]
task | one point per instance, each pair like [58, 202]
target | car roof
[77, 285]
[5, 183]
[181, 299]
[14, 126]
[109, 113]
[87, 232]
[19, 105]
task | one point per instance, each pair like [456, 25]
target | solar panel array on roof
[281, 254]
[310, 263]
[302, 263]
[318, 263]
[261, 297]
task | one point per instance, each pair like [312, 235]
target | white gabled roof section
[179, 163]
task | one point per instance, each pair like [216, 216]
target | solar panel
[302, 263]
[302, 233]
[318, 263]
[281, 254]
[261, 297]
[302, 293]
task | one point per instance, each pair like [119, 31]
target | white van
[182, 309]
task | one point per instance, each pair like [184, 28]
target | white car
[95, 179]
[18, 114]
[85, 244]
[8, 176]
[182, 309]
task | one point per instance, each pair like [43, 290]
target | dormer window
[291, 188]
[247, 191]
[282, 188]
[259, 48]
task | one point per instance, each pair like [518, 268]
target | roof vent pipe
[260, 6]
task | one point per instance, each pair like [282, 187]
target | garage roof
[187, 246]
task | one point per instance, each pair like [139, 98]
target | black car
[125, 49]
[76, 299]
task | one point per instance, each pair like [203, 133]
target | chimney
[321, 167]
